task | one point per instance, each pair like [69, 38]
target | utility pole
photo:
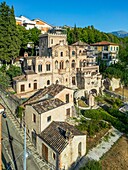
[0, 144]
[1, 110]
[24, 148]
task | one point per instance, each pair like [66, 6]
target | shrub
[92, 165]
[82, 103]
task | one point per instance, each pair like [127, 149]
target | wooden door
[35, 86]
[22, 88]
[44, 152]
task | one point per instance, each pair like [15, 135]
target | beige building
[59, 63]
[62, 145]
[108, 51]
[53, 103]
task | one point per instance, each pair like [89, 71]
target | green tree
[23, 37]
[33, 36]
[13, 71]
[9, 42]
[4, 80]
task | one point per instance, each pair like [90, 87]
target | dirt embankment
[117, 157]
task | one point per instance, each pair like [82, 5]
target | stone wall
[111, 84]
[115, 83]
[11, 101]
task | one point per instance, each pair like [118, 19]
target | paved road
[13, 149]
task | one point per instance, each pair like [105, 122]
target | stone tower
[52, 38]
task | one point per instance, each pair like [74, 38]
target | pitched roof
[37, 19]
[46, 105]
[20, 78]
[80, 43]
[57, 134]
[103, 43]
[29, 72]
[51, 90]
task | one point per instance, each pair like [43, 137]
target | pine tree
[9, 42]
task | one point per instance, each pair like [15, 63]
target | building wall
[62, 95]
[29, 84]
[30, 124]
[64, 62]
[115, 83]
[57, 114]
[44, 27]
[70, 156]
[51, 160]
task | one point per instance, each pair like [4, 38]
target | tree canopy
[89, 35]
[9, 41]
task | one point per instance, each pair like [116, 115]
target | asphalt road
[12, 150]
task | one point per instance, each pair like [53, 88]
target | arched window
[73, 53]
[61, 54]
[48, 67]
[48, 82]
[84, 63]
[61, 65]
[79, 149]
[57, 81]
[39, 67]
[67, 64]
[56, 64]
[73, 81]
[73, 63]
[80, 52]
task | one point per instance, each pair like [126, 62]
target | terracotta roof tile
[20, 78]
[46, 105]
[57, 135]
[80, 43]
[51, 90]
[103, 43]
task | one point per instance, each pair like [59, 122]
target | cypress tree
[9, 42]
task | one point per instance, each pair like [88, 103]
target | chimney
[68, 135]
[25, 54]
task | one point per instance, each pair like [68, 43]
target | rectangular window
[48, 118]
[51, 41]
[54, 156]
[47, 67]
[67, 98]
[29, 85]
[106, 48]
[73, 81]
[34, 118]
[67, 113]
[22, 88]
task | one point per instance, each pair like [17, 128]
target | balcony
[61, 71]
